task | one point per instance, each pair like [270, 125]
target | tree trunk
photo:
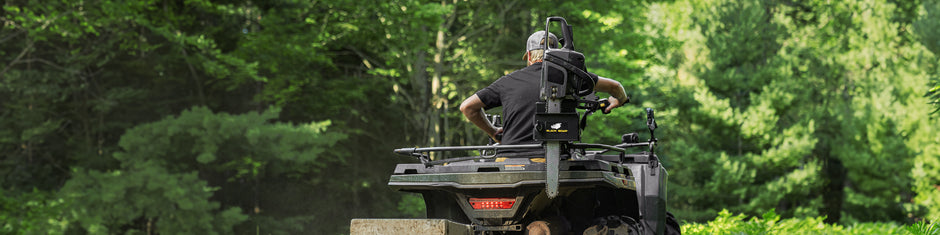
[834, 190]
[834, 173]
[434, 124]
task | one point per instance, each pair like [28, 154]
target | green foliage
[926, 173]
[771, 223]
[164, 185]
[35, 212]
[925, 26]
[815, 110]
[147, 198]
[227, 142]
[412, 205]
[77, 75]
[923, 228]
[805, 108]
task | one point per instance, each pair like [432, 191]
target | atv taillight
[492, 203]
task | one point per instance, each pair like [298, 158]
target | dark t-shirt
[517, 93]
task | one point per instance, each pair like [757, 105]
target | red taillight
[492, 203]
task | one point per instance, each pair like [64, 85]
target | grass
[771, 223]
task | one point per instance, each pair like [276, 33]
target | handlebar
[603, 104]
[591, 106]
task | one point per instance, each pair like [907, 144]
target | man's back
[517, 93]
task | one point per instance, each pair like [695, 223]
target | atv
[559, 186]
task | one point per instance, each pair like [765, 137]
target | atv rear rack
[489, 151]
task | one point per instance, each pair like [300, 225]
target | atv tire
[619, 225]
[672, 225]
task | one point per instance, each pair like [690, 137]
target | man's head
[533, 46]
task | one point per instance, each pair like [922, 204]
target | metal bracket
[651, 124]
[484, 153]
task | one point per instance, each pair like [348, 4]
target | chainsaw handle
[565, 29]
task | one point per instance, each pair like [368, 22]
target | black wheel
[672, 225]
[619, 225]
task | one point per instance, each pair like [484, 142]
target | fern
[924, 228]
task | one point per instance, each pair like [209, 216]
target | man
[519, 91]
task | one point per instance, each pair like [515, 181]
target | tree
[808, 100]
[170, 170]
[77, 75]
[801, 99]
[927, 164]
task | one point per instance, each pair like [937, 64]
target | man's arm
[617, 96]
[472, 108]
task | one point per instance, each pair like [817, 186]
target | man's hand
[615, 89]
[614, 103]
[495, 136]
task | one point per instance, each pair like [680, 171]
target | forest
[280, 117]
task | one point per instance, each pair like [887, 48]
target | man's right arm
[615, 89]
[472, 108]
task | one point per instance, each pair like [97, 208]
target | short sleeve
[490, 96]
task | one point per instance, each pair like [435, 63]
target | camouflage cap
[535, 41]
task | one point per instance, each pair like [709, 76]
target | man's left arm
[472, 108]
[618, 96]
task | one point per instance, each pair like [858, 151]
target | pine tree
[810, 108]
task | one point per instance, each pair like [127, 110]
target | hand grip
[565, 29]
[602, 105]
